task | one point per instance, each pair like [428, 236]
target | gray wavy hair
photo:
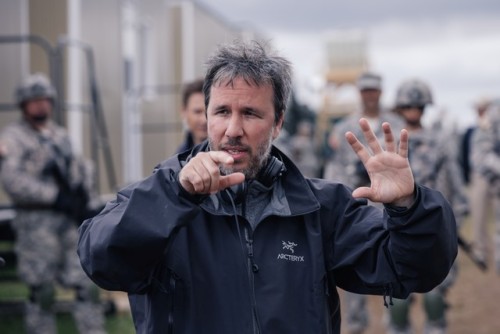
[254, 62]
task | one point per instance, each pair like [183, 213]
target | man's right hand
[201, 175]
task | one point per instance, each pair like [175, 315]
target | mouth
[238, 153]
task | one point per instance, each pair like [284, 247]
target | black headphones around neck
[267, 176]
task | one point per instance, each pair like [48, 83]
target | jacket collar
[297, 189]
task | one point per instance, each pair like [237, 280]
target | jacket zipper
[332, 305]
[172, 284]
[252, 269]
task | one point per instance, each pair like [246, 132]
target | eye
[251, 113]
[221, 111]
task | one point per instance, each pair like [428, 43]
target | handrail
[98, 121]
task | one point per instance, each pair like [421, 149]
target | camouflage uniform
[303, 152]
[486, 162]
[434, 164]
[345, 167]
[33, 168]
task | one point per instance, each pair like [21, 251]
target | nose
[235, 126]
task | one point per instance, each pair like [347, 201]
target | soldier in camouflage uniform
[345, 167]
[486, 162]
[435, 165]
[480, 194]
[50, 188]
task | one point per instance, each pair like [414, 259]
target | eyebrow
[252, 109]
[220, 107]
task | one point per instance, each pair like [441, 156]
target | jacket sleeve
[395, 251]
[120, 247]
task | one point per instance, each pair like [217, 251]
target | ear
[278, 126]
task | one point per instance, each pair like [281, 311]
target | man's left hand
[389, 170]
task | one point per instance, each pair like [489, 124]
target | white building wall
[171, 41]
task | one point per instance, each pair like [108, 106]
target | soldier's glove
[63, 202]
[73, 203]
[80, 204]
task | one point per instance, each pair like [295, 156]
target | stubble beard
[256, 162]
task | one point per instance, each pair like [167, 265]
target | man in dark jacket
[193, 115]
[231, 238]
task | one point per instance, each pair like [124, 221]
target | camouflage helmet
[369, 80]
[413, 93]
[35, 86]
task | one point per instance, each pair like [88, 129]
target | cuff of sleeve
[197, 199]
[399, 211]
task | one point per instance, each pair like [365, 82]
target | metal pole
[98, 120]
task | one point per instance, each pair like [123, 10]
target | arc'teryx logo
[290, 246]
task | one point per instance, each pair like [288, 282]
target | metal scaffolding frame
[99, 134]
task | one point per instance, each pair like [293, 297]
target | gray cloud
[279, 15]
[454, 45]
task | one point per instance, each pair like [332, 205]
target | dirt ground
[474, 301]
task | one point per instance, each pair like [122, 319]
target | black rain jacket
[191, 265]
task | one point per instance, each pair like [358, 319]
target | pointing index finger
[221, 157]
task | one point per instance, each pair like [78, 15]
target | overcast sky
[453, 45]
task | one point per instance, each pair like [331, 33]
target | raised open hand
[389, 170]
